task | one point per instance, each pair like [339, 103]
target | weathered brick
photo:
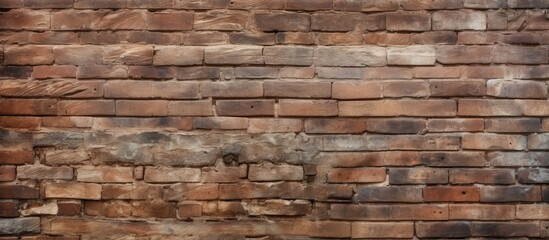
[538, 141]
[105, 72]
[52, 88]
[530, 72]
[128, 54]
[104, 174]
[241, 89]
[255, 72]
[295, 38]
[98, 20]
[388, 73]
[383, 38]
[481, 212]
[443, 229]
[282, 21]
[234, 54]
[245, 107]
[190, 108]
[341, 125]
[382, 230]
[409, 21]
[356, 175]
[154, 38]
[220, 20]
[73, 190]
[507, 229]
[512, 125]
[398, 108]
[339, 73]
[459, 20]
[356, 90]
[359, 212]
[66, 156]
[189, 210]
[197, 73]
[279, 207]
[527, 4]
[87, 107]
[252, 38]
[510, 194]
[533, 175]
[464, 54]
[437, 72]
[7, 173]
[518, 159]
[44, 172]
[192, 191]
[20, 122]
[488, 107]
[307, 108]
[205, 38]
[284, 190]
[532, 211]
[386, 142]
[150, 89]
[200, 4]
[451, 194]
[395, 125]
[9, 209]
[18, 192]
[457, 88]
[455, 125]
[111, 209]
[20, 19]
[148, 72]
[482, 176]
[520, 55]
[411, 55]
[28, 55]
[405, 88]
[418, 176]
[364, 159]
[171, 55]
[350, 56]
[28, 107]
[339, 38]
[389, 194]
[286, 55]
[170, 21]
[141, 108]
[269, 172]
[136, 191]
[154, 209]
[490, 141]
[516, 89]
[274, 125]
[334, 22]
[256, 4]
[297, 89]
[227, 123]
[19, 226]
[167, 175]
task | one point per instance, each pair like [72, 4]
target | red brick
[510, 194]
[482, 176]
[364, 159]
[342, 125]
[389, 194]
[481, 212]
[128, 54]
[516, 89]
[398, 108]
[464, 54]
[9, 209]
[508, 229]
[297, 89]
[155, 209]
[7, 173]
[457, 88]
[170, 21]
[104, 174]
[489, 141]
[256, 4]
[136, 191]
[147, 72]
[382, 230]
[220, 20]
[417, 176]
[307, 108]
[18, 192]
[111, 209]
[190, 108]
[455, 125]
[532, 211]
[419, 212]
[483, 72]
[193, 4]
[451, 194]
[513, 125]
[189, 209]
[339, 38]
[16, 157]
[73, 190]
[98, 20]
[52, 88]
[268, 125]
[269, 22]
[68, 208]
[67, 122]
[356, 90]
[87, 107]
[405, 88]
[443, 229]
[356, 175]
[98, 4]
[226, 123]
[431, 5]
[28, 55]
[384, 39]
[28, 107]
[308, 5]
[20, 122]
[20, 19]
[141, 108]
[192, 191]
[269, 172]
[232, 89]
[409, 21]
[245, 107]
[58, 71]
[44, 172]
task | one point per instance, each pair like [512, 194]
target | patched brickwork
[274, 119]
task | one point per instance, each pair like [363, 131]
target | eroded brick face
[274, 119]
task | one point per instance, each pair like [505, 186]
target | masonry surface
[274, 119]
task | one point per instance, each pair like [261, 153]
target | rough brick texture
[274, 119]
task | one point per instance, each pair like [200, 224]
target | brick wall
[274, 119]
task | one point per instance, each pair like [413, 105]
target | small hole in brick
[252, 106]
[463, 192]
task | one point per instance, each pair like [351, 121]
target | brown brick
[285, 190]
[464, 54]
[480, 38]
[295, 38]
[9, 209]
[205, 38]
[417, 176]
[538, 141]
[389, 194]
[530, 72]
[443, 229]
[365, 159]
[7, 174]
[220, 20]
[382, 230]
[128, 54]
[279, 207]
[288, 55]
[483, 72]
[510, 194]
[481, 107]
[256, 4]
[52, 88]
[103, 72]
[359, 212]
[44, 172]
[307, 108]
[170, 21]
[533, 175]
[111, 209]
[388, 73]
[481, 212]
[398, 108]
[409, 21]
[419, 212]
[509, 229]
[192, 191]
[256, 72]
[411, 55]
[136, 191]
[234, 54]
[482, 176]
[435, 37]
[334, 22]
[455, 125]
[352, 56]
[90, 4]
[356, 90]
[227, 123]
[16, 157]
[513, 125]
[269, 172]
[520, 55]
[200, 4]
[78, 55]
[147, 72]
[20, 19]
[68, 208]
[18, 192]
[489, 141]
[516, 89]
[297, 89]
[167, 175]
[356, 175]
[190, 108]
[104, 174]
[459, 20]
[339, 73]
[252, 38]
[245, 107]
[189, 210]
[384, 39]
[405, 88]
[20, 122]
[154, 38]
[457, 88]
[28, 107]
[73, 190]
[274, 125]
[518, 159]
[86, 107]
[241, 89]
[44, 72]
[341, 125]
[172, 55]
[150, 89]
[222, 174]
[197, 73]
[98, 20]
[395, 125]
[154, 209]
[141, 108]
[103, 37]
[451, 194]
[431, 5]
[308, 5]
[437, 72]
[339, 38]
[269, 22]
[532, 211]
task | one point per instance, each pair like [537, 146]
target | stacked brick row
[274, 119]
